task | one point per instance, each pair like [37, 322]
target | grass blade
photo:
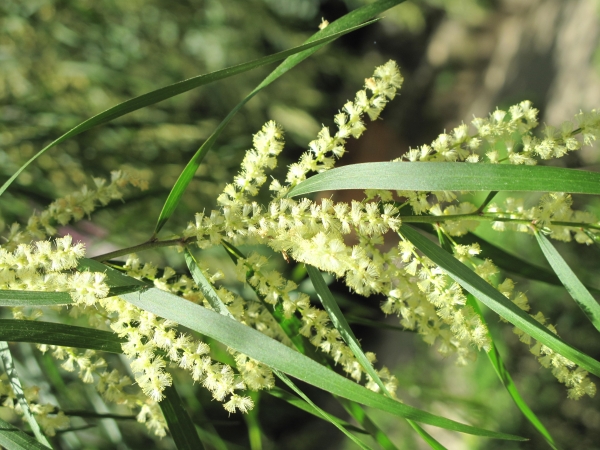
[13, 379]
[509, 384]
[180, 425]
[322, 413]
[494, 300]
[339, 322]
[345, 24]
[587, 303]
[447, 176]
[164, 93]
[12, 438]
[280, 357]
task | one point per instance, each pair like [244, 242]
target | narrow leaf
[345, 24]
[494, 300]
[304, 406]
[236, 336]
[339, 322]
[12, 438]
[59, 334]
[167, 92]
[41, 298]
[322, 413]
[580, 294]
[206, 288]
[280, 357]
[180, 425]
[15, 382]
[448, 176]
[509, 384]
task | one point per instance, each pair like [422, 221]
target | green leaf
[319, 411]
[34, 298]
[509, 384]
[180, 425]
[304, 406]
[41, 298]
[580, 294]
[280, 357]
[235, 335]
[167, 92]
[11, 438]
[447, 176]
[345, 24]
[339, 322]
[59, 334]
[494, 300]
[206, 288]
[13, 379]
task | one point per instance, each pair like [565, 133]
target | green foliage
[160, 336]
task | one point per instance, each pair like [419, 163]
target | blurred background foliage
[62, 61]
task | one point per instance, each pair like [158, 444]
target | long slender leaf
[447, 176]
[580, 294]
[509, 384]
[345, 24]
[15, 382]
[304, 406]
[58, 334]
[205, 287]
[322, 413]
[291, 327]
[12, 438]
[41, 298]
[180, 425]
[164, 93]
[278, 356]
[497, 302]
[236, 336]
[339, 322]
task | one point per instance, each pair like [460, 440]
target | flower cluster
[73, 207]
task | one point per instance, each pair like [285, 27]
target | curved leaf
[497, 302]
[165, 93]
[448, 176]
[278, 356]
[509, 384]
[345, 24]
[339, 322]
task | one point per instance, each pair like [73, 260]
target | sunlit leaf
[448, 176]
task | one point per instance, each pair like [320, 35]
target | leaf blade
[14, 439]
[494, 300]
[274, 354]
[346, 23]
[164, 93]
[585, 301]
[448, 176]
[180, 424]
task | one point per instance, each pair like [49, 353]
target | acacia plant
[272, 330]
